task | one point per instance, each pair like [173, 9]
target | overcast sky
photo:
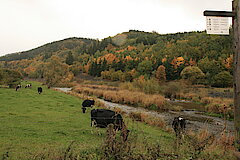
[27, 24]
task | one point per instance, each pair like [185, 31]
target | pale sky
[27, 24]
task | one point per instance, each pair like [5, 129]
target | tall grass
[155, 102]
[149, 86]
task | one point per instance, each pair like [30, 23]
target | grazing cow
[28, 86]
[88, 103]
[39, 90]
[18, 87]
[103, 117]
[179, 125]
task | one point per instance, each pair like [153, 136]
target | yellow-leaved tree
[161, 73]
[56, 72]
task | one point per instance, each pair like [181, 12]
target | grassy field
[32, 124]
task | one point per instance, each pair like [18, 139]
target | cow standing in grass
[18, 87]
[39, 90]
[103, 117]
[179, 125]
[28, 86]
[87, 103]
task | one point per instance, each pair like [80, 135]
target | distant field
[33, 123]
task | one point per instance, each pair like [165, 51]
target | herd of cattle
[39, 89]
[103, 117]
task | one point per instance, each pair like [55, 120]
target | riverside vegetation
[52, 126]
[151, 94]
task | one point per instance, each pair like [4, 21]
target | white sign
[217, 25]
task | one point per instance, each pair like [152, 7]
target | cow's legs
[93, 123]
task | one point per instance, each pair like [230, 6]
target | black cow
[179, 125]
[103, 117]
[18, 87]
[39, 90]
[88, 103]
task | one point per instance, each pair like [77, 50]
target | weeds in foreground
[115, 148]
[203, 145]
[200, 145]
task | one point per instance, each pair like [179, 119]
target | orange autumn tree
[109, 58]
[30, 70]
[177, 62]
[228, 63]
[86, 68]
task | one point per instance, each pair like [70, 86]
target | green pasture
[32, 123]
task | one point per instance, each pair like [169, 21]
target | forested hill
[78, 44]
[133, 54]
[211, 46]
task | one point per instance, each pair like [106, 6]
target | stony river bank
[195, 119]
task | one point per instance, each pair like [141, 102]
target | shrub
[193, 74]
[222, 79]
[10, 77]
[172, 90]
[114, 147]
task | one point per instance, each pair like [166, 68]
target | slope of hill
[132, 54]
[47, 49]
[132, 38]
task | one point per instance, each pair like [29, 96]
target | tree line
[194, 56]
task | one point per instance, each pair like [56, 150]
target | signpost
[217, 22]
[217, 25]
[235, 14]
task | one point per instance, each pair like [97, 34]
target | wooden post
[235, 14]
[236, 74]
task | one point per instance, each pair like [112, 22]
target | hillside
[48, 49]
[133, 37]
[132, 54]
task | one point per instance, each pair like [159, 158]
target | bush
[172, 90]
[222, 79]
[150, 86]
[10, 77]
[193, 74]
